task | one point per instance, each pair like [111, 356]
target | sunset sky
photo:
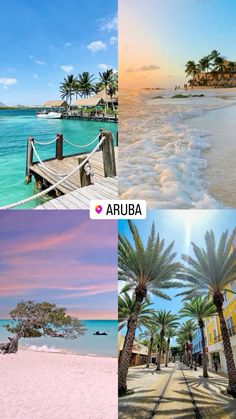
[157, 38]
[61, 257]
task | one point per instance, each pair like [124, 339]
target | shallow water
[174, 157]
[15, 127]
[220, 125]
[87, 344]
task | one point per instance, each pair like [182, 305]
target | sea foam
[161, 158]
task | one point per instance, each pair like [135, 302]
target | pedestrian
[215, 366]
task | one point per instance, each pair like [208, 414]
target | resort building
[56, 105]
[197, 346]
[139, 352]
[100, 99]
[214, 338]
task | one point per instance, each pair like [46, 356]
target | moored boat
[49, 115]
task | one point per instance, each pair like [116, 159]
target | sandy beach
[46, 385]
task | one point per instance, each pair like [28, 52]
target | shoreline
[62, 352]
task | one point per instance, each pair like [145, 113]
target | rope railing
[46, 142]
[66, 141]
[80, 146]
[44, 165]
[50, 188]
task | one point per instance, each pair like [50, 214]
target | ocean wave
[163, 154]
[43, 348]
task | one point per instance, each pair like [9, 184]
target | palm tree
[67, 88]
[150, 334]
[126, 308]
[214, 54]
[191, 69]
[147, 268]
[85, 84]
[204, 65]
[219, 65]
[112, 88]
[170, 333]
[210, 271]
[187, 330]
[106, 78]
[164, 319]
[199, 308]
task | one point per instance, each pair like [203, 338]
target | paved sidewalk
[179, 397]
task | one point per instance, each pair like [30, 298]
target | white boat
[49, 115]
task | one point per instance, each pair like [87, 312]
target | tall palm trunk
[204, 355]
[126, 354]
[149, 351]
[167, 352]
[158, 360]
[218, 301]
[106, 99]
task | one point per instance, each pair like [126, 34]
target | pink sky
[61, 257]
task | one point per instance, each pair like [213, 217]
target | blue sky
[41, 42]
[182, 226]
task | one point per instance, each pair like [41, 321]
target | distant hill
[2, 105]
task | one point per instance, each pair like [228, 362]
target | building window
[230, 326]
[233, 286]
[225, 297]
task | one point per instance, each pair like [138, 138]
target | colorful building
[139, 352]
[214, 339]
[197, 346]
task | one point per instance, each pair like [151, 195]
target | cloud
[96, 46]
[113, 40]
[67, 68]
[109, 23]
[5, 81]
[50, 84]
[104, 67]
[40, 62]
[35, 76]
[150, 67]
[68, 44]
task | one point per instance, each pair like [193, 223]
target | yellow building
[214, 340]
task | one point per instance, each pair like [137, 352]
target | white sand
[43, 385]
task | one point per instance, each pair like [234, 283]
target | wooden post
[29, 160]
[85, 179]
[59, 147]
[108, 152]
[117, 139]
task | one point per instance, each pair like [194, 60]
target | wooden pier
[96, 179]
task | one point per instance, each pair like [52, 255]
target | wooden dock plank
[67, 165]
[81, 197]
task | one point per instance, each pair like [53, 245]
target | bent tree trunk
[10, 347]
[204, 355]
[149, 351]
[218, 300]
[125, 356]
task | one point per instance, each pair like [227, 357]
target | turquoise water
[15, 127]
[87, 344]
